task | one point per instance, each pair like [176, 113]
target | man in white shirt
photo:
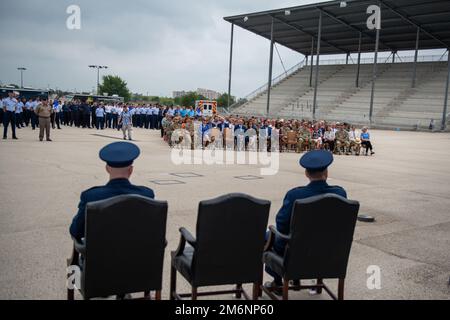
[100, 117]
[108, 115]
[154, 119]
[171, 112]
[148, 116]
[57, 112]
[19, 114]
[329, 138]
[9, 110]
[355, 141]
[27, 112]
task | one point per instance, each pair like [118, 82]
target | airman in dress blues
[9, 115]
[316, 165]
[119, 158]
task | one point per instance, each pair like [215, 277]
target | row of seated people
[119, 238]
[253, 134]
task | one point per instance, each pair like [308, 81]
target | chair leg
[173, 282]
[147, 295]
[341, 289]
[319, 289]
[260, 290]
[70, 294]
[239, 291]
[256, 290]
[285, 289]
[158, 295]
[194, 293]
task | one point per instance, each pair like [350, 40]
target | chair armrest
[273, 233]
[188, 236]
[74, 258]
[79, 247]
[270, 241]
[277, 233]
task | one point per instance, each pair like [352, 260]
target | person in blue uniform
[119, 158]
[316, 165]
[9, 115]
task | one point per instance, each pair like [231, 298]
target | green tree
[222, 101]
[166, 101]
[115, 85]
[188, 100]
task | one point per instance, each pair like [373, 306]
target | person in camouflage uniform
[284, 134]
[168, 129]
[304, 138]
[190, 128]
[176, 136]
[342, 141]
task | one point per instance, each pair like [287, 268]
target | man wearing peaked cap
[316, 165]
[119, 158]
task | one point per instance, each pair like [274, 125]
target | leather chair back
[125, 243]
[230, 240]
[322, 231]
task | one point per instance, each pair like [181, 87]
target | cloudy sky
[156, 46]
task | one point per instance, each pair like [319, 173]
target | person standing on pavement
[9, 115]
[44, 112]
[125, 121]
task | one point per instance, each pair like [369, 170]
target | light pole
[21, 69]
[98, 74]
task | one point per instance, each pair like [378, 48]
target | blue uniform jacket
[114, 188]
[283, 218]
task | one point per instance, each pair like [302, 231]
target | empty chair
[228, 249]
[318, 246]
[123, 251]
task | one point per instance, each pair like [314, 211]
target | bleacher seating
[396, 103]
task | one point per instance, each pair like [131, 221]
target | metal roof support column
[358, 69]
[319, 37]
[231, 66]
[312, 63]
[374, 75]
[269, 84]
[415, 59]
[444, 114]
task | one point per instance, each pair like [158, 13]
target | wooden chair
[318, 246]
[228, 250]
[228, 139]
[292, 140]
[216, 138]
[123, 251]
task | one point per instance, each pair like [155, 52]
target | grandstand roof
[341, 26]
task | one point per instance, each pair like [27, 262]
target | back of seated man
[119, 158]
[316, 165]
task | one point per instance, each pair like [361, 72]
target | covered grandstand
[393, 92]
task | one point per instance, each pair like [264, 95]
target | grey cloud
[156, 46]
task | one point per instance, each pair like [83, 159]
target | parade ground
[405, 186]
